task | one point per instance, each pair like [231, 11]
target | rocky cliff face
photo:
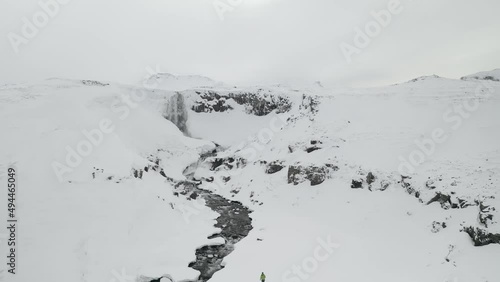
[259, 104]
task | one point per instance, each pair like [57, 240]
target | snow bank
[99, 222]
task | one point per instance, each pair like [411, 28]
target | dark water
[234, 221]
[235, 224]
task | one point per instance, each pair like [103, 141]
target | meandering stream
[234, 222]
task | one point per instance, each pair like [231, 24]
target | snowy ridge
[167, 81]
[493, 75]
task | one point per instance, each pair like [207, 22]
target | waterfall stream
[234, 221]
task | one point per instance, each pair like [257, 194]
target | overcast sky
[258, 41]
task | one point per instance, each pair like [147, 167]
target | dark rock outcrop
[481, 237]
[485, 217]
[211, 102]
[447, 201]
[463, 203]
[487, 77]
[309, 104]
[444, 200]
[370, 178]
[274, 167]
[312, 149]
[259, 104]
[409, 188]
[315, 145]
[137, 173]
[308, 108]
[228, 163]
[315, 174]
[94, 83]
[357, 184]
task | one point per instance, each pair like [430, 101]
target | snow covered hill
[396, 183]
[167, 81]
[493, 75]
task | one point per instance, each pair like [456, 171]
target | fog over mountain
[256, 41]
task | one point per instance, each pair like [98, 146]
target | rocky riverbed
[234, 221]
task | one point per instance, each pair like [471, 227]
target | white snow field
[92, 217]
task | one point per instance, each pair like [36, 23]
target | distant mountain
[493, 75]
[167, 81]
[425, 77]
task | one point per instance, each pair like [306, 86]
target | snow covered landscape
[249, 141]
[184, 178]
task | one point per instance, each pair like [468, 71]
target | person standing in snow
[262, 277]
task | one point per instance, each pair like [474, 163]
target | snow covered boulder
[357, 184]
[485, 217]
[274, 167]
[438, 226]
[372, 182]
[481, 237]
[227, 163]
[210, 102]
[315, 174]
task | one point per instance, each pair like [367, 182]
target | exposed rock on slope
[274, 167]
[315, 174]
[259, 104]
[481, 237]
[94, 83]
[493, 75]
